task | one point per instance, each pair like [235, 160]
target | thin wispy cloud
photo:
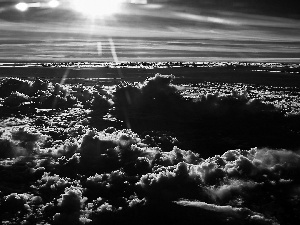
[152, 29]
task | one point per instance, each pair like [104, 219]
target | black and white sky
[161, 30]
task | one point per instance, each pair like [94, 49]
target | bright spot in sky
[53, 3]
[22, 6]
[94, 8]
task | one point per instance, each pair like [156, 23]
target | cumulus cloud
[158, 139]
[70, 205]
[63, 172]
[268, 158]
[20, 142]
[26, 139]
[170, 183]
[11, 85]
[26, 95]
[212, 123]
[157, 98]
[154, 98]
[69, 148]
[240, 185]
[112, 186]
[15, 202]
[15, 99]
[108, 150]
[7, 149]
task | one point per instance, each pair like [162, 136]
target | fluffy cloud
[15, 202]
[212, 123]
[154, 99]
[15, 99]
[64, 171]
[7, 149]
[11, 85]
[108, 150]
[20, 142]
[70, 205]
[240, 185]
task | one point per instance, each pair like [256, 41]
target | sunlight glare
[53, 3]
[94, 8]
[22, 6]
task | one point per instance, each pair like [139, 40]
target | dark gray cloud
[158, 105]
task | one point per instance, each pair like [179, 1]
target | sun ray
[97, 8]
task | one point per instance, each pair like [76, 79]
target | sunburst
[95, 8]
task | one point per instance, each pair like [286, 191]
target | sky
[161, 30]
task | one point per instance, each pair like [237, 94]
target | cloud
[21, 142]
[26, 95]
[15, 202]
[155, 99]
[62, 171]
[15, 99]
[7, 149]
[70, 204]
[268, 158]
[211, 207]
[211, 123]
[112, 186]
[11, 85]
[125, 175]
[242, 215]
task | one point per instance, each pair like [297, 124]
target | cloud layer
[111, 175]
[207, 34]
[57, 168]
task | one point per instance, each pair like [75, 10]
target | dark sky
[162, 30]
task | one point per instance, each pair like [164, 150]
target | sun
[22, 6]
[94, 8]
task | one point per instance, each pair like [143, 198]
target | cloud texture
[114, 173]
[58, 168]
